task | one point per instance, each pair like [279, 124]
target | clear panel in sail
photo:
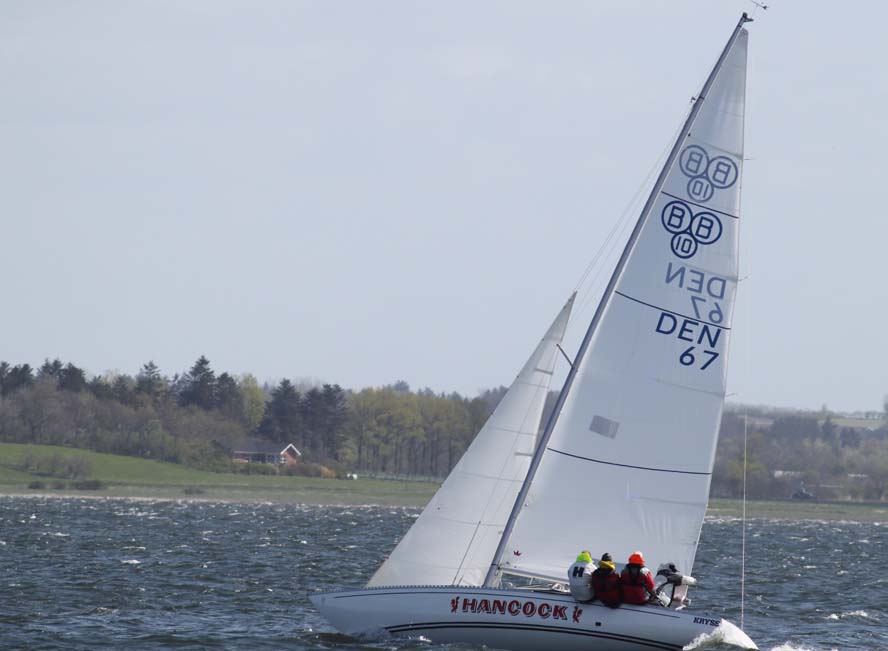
[456, 535]
[629, 461]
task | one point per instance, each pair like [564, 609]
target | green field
[134, 477]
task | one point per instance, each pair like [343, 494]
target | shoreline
[797, 510]
[719, 508]
[329, 493]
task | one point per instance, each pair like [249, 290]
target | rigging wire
[616, 234]
[746, 357]
[743, 525]
[758, 5]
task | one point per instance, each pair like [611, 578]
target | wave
[725, 633]
[861, 614]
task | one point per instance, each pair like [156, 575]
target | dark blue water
[131, 574]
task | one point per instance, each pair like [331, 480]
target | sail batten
[663, 309]
[699, 205]
[627, 465]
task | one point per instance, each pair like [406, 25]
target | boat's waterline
[517, 619]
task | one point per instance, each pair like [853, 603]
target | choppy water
[78, 574]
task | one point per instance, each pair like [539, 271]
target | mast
[605, 299]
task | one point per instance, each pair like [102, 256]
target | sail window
[604, 426]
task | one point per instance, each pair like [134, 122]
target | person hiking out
[606, 582]
[579, 577]
[637, 581]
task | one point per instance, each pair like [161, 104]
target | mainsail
[456, 535]
[628, 457]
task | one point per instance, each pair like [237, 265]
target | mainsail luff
[492, 576]
[451, 541]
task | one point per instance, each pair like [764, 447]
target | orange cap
[636, 559]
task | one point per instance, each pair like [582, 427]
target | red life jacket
[606, 584]
[637, 584]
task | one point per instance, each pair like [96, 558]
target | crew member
[579, 575]
[606, 582]
[665, 581]
[637, 581]
[668, 578]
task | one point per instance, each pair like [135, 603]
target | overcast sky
[362, 192]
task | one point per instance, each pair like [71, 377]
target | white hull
[515, 619]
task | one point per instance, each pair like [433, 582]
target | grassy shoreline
[394, 494]
[128, 477]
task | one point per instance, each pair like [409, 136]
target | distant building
[788, 474]
[759, 422]
[259, 451]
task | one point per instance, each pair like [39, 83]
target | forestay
[456, 535]
[629, 459]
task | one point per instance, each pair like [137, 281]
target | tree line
[197, 416]
[802, 455]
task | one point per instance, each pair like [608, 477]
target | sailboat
[634, 431]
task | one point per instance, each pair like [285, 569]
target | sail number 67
[715, 314]
[688, 358]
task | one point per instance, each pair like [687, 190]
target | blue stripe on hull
[614, 637]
